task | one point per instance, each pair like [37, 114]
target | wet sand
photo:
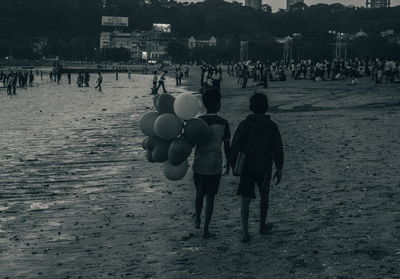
[79, 200]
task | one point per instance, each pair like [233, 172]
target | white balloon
[186, 106]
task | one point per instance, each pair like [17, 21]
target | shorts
[208, 184]
[248, 183]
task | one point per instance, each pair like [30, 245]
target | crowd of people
[262, 73]
[377, 69]
[13, 79]
[210, 76]
[160, 74]
[83, 79]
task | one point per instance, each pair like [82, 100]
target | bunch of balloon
[171, 132]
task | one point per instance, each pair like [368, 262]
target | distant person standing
[155, 79]
[79, 80]
[264, 76]
[69, 77]
[99, 81]
[116, 75]
[14, 84]
[245, 76]
[31, 78]
[10, 84]
[59, 74]
[86, 79]
[178, 76]
[203, 74]
[378, 71]
[129, 74]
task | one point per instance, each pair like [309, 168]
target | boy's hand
[226, 170]
[278, 176]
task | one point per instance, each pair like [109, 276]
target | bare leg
[198, 207]
[209, 212]
[244, 215]
[264, 203]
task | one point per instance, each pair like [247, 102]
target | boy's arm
[235, 146]
[277, 149]
[227, 147]
[277, 155]
[227, 151]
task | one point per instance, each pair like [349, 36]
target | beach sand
[79, 199]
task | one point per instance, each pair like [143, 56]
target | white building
[211, 42]
[120, 40]
[138, 42]
[378, 3]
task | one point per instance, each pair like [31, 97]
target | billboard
[162, 27]
[114, 21]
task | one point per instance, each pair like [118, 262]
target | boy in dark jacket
[258, 137]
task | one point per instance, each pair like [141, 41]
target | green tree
[178, 50]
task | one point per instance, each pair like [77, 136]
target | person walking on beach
[11, 84]
[208, 162]
[99, 81]
[58, 75]
[161, 81]
[259, 139]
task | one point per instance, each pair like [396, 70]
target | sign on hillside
[114, 21]
[161, 27]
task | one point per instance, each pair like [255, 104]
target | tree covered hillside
[72, 27]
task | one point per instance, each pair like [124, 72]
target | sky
[281, 4]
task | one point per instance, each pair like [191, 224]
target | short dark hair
[212, 99]
[258, 103]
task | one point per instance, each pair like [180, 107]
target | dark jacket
[259, 138]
